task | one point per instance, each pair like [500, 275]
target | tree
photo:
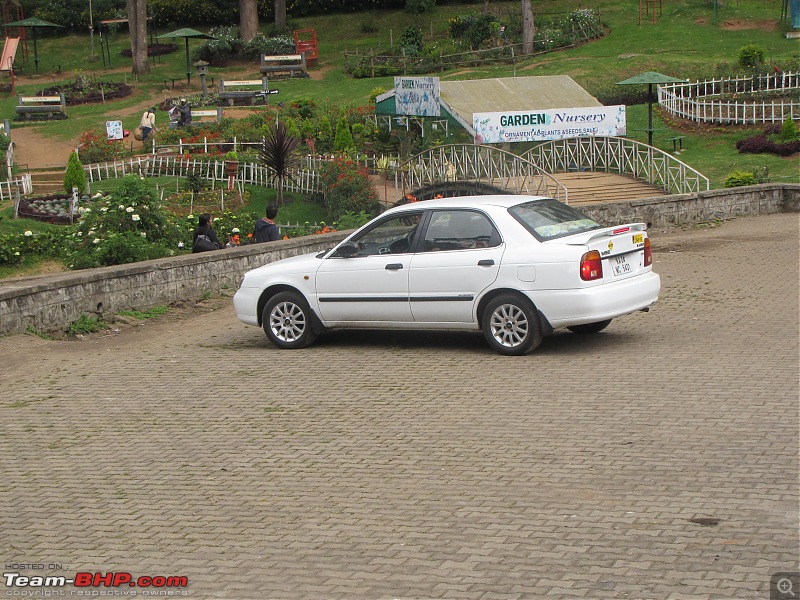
[137, 26]
[248, 19]
[527, 27]
[343, 142]
[75, 177]
[277, 152]
[280, 14]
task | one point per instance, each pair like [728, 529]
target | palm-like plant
[277, 153]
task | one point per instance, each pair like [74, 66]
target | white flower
[80, 233]
[96, 241]
[180, 244]
[104, 209]
[90, 232]
[129, 209]
[16, 253]
[28, 233]
[143, 234]
[122, 207]
[144, 206]
[235, 230]
[135, 217]
[98, 195]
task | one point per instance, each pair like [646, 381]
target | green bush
[344, 138]
[262, 44]
[739, 178]
[75, 177]
[226, 45]
[420, 7]
[751, 57]
[349, 189]
[411, 40]
[789, 130]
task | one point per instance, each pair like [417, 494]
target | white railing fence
[8, 189]
[717, 100]
[622, 156]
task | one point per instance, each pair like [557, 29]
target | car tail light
[648, 253]
[591, 266]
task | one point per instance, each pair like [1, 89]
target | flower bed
[50, 209]
[88, 91]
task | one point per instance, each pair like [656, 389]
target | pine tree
[75, 175]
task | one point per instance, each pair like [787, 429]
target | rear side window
[459, 230]
[549, 219]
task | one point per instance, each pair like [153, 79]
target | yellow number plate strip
[638, 238]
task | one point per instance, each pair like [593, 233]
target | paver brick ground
[383, 465]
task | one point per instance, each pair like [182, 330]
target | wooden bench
[249, 89]
[284, 63]
[676, 142]
[48, 105]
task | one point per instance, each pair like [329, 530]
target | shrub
[472, 30]
[125, 227]
[739, 178]
[411, 40]
[751, 57]
[225, 46]
[349, 188]
[420, 7]
[344, 138]
[369, 27]
[75, 177]
[262, 44]
[96, 147]
[789, 130]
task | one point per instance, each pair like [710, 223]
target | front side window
[393, 236]
[549, 219]
[459, 230]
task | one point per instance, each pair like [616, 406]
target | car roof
[503, 201]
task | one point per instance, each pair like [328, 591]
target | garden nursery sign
[418, 96]
[540, 125]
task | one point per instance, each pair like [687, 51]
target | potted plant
[232, 163]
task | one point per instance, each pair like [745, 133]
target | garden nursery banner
[541, 125]
[417, 96]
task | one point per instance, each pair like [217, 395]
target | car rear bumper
[564, 308]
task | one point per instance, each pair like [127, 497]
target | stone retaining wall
[52, 302]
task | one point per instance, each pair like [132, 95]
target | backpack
[203, 243]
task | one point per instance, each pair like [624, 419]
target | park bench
[676, 142]
[284, 63]
[48, 105]
[249, 89]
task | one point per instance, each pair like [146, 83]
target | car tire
[287, 321]
[590, 327]
[511, 325]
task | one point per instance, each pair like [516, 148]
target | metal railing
[622, 156]
[477, 164]
[718, 101]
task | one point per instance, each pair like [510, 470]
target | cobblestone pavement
[658, 459]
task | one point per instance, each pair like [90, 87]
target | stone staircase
[48, 180]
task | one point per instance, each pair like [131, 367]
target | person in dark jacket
[208, 238]
[185, 112]
[266, 230]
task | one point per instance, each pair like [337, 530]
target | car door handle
[394, 266]
[488, 262]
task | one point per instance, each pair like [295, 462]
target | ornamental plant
[278, 153]
[127, 226]
[95, 147]
[75, 177]
[344, 138]
[348, 188]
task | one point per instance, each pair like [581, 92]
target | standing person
[204, 236]
[266, 230]
[185, 111]
[148, 123]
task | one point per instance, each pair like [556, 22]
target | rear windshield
[549, 219]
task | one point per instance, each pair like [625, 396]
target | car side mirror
[346, 250]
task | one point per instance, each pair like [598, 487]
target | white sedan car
[515, 267]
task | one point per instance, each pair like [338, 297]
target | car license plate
[638, 238]
[621, 265]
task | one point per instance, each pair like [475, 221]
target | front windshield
[549, 219]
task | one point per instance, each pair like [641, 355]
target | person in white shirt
[148, 123]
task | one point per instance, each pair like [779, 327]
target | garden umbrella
[33, 23]
[650, 78]
[187, 33]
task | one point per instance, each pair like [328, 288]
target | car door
[370, 286]
[458, 257]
